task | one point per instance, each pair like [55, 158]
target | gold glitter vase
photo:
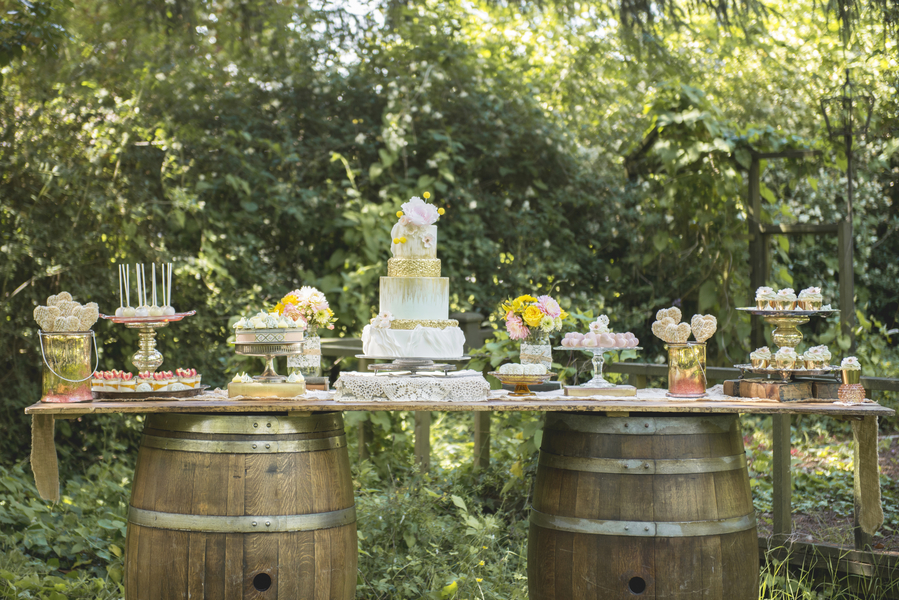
[67, 366]
[686, 370]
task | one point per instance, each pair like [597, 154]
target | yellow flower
[563, 315]
[479, 580]
[525, 298]
[399, 214]
[481, 563]
[441, 212]
[279, 308]
[426, 195]
[403, 240]
[532, 316]
[396, 240]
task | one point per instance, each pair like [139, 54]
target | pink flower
[404, 220]
[419, 212]
[516, 328]
[427, 240]
[549, 307]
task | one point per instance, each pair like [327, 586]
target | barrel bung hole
[637, 585]
[262, 582]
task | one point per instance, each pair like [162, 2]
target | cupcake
[816, 357]
[128, 383]
[785, 358]
[786, 299]
[851, 370]
[761, 358]
[810, 299]
[764, 298]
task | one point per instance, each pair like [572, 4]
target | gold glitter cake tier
[413, 267]
[413, 323]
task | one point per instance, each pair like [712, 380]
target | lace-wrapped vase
[536, 349]
[309, 363]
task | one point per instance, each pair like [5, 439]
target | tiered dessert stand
[786, 334]
[148, 358]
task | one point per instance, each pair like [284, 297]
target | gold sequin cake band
[413, 267]
[413, 323]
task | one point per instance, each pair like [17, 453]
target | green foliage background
[261, 146]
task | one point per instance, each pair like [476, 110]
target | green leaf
[660, 240]
[459, 502]
[375, 170]
[708, 294]
[813, 182]
[766, 193]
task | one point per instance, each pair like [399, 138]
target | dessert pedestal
[521, 382]
[796, 384]
[148, 358]
[598, 386]
[411, 366]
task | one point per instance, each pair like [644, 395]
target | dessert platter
[123, 386]
[268, 336]
[599, 340]
[413, 329]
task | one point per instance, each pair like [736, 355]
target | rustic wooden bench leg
[866, 480]
[482, 439]
[423, 440]
[783, 486]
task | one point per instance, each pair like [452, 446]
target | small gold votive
[759, 363]
[785, 304]
[785, 363]
[851, 376]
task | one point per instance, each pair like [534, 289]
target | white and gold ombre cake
[414, 299]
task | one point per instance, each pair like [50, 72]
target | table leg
[783, 485]
[43, 457]
[868, 515]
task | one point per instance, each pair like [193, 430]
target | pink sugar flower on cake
[548, 306]
[516, 328]
[420, 212]
[427, 240]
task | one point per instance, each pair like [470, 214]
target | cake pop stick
[127, 285]
[153, 270]
[121, 296]
[162, 283]
[169, 300]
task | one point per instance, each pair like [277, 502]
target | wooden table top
[647, 400]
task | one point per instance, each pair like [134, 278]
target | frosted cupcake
[97, 382]
[764, 298]
[786, 299]
[851, 370]
[810, 299]
[816, 357]
[511, 369]
[761, 358]
[785, 358]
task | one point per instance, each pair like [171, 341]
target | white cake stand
[598, 381]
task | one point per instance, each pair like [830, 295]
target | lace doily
[464, 386]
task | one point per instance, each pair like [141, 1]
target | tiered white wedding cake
[414, 304]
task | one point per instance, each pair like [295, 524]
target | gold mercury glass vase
[686, 370]
[67, 366]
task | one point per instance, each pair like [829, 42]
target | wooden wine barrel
[237, 506]
[642, 506]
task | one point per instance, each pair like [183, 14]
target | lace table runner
[464, 386]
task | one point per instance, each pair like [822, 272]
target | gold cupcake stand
[795, 383]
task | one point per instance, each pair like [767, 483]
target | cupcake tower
[786, 311]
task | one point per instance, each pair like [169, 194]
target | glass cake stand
[148, 358]
[598, 380]
[268, 352]
[411, 366]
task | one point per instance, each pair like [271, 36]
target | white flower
[427, 240]
[473, 204]
[360, 139]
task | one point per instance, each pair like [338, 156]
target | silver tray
[140, 396]
[788, 313]
[786, 374]
[263, 349]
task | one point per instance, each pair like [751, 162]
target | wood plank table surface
[647, 400]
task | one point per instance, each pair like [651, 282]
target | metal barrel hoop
[96, 355]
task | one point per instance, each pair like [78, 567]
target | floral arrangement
[308, 305]
[527, 313]
[382, 321]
